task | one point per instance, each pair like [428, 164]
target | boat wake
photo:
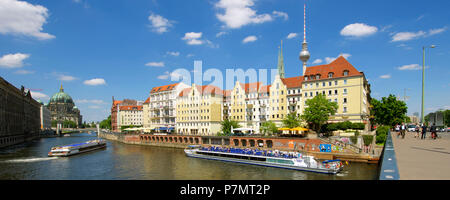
[27, 160]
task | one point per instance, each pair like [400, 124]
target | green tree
[227, 124]
[318, 110]
[268, 128]
[389, 111]
[106, 123]
[292, 120]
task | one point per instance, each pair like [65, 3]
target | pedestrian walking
[433, 131]
[397, 129]
[424, 131]
[417, 131]
[403, 130]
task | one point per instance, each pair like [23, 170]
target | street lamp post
[423, 80]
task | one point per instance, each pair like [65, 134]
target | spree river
[134, 162]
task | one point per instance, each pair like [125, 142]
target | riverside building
[19, 115]
[199, 110]
[162, 106]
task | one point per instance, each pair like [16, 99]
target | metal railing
[388, 169]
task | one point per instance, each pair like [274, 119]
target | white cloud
[24, 72]
[280, 14]
[436, 31]
[173, 53]
[331, 59]
[317, 61]
[358, 30]
[38, 95]
[159, 24]
[13, 60]
[405, 36]
[95, 81]
[239, 13]
[190, 55]
[93, 101]
[292, 35]
[62, 77]
[221, 34]
[167, 75]
[155, 64]
[386, 76]
[410, 67]
[23, 18]
[250, 38]
[94, 107]
[193, 38]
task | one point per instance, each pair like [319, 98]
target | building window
[345, 100]
[335, 82]
[345, 109]
[318, 76]
[345, 91]
[345, 82]
[345, 72]
[306, 78]
[330, 75]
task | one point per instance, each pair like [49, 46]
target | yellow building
[199, 110]
[340, 82]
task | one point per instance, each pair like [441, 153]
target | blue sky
[99, 49]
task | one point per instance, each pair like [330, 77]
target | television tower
[304, 54]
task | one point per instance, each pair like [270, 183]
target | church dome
[61, 97]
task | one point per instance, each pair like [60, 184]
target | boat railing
[250, 152]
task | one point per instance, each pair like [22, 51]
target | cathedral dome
[61, 97]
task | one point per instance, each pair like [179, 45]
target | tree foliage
[318, 110]
[106, 123]
[292, 120]
[268, 128]
[389, 111]
[227, 124]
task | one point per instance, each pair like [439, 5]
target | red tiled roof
[293, 82]
[130, 107]
[337, 67]
[227, 92]
[148, 100]
[205, 89]
[164, 88]
[264, 89]
[251, 87]
[117, 102]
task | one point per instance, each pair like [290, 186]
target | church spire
[281, 61]
[61, 89]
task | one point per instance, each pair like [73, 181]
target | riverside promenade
[422, 159]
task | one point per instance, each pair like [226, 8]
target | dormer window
[318, 76]
[345, 72]
[306, 78]
[330, 75]
[312, 77]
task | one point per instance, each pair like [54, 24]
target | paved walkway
[423, 159]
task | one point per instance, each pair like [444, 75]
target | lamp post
[423, 80]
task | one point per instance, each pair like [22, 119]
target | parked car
[411, 128]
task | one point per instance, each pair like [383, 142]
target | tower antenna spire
[304, 54]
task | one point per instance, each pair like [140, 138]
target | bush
[354, 139]
[358, 126]
[367, 139]
[381, 134]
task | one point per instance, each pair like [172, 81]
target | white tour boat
[275, 158]
[73, 149]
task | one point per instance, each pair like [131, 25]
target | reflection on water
[124, 162]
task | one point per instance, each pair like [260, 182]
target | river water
[134, 162]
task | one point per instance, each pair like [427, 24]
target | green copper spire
[280, 61]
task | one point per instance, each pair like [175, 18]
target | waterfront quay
[122, 161]
[306, 145]
[426, 159]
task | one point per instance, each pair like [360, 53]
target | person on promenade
[417, 131]
[424, 131]
[433, 131]
[397, 129]
[403, 130]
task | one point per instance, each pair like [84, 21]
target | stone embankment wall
[310, 146]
